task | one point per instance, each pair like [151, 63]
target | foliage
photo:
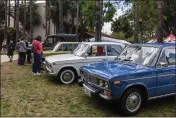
[148, 19]
[119, 35]
[36, 17]
[169, 16]
[87, 11]
[123, 24]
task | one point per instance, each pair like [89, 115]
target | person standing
[37, 50]
[10, 50]
[21, 46]
[4, 43]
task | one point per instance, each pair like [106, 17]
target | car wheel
[67, 76]
[131, 102]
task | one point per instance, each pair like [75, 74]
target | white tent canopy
[170, 38]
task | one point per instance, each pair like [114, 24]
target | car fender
[135, 84]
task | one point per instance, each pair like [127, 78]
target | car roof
[68, 42]
[156, 44]
[99, 43]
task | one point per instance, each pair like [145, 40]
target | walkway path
[5, 58]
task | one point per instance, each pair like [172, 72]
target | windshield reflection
[141, 55]
[81, 49]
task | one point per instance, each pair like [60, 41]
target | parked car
[66, 66]
[52, 40]
[62, 48]
[140, 73]
[65, 46]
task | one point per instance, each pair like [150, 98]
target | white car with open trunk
[66, 66]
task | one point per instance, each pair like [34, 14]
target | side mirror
[162, 64]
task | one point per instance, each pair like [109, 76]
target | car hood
[110, 70]
[62, 57]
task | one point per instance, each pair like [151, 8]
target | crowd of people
[25, 53]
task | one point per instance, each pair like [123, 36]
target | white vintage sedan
[66, 66]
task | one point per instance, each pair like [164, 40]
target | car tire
[67, 76]
[131, 102]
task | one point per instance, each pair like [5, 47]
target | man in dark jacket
[10, 50]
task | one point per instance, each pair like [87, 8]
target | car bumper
[96, 91]
[49, 71]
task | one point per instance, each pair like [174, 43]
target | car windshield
[141, 55]
[81, 49]
[56, 47]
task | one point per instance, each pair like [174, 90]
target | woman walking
[10, 49]
[37, 50]
[21, 46]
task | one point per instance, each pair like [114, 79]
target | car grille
[93, 79]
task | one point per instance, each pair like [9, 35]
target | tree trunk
[24, 25]
[46, 19]
[61, 28]
[14, 14]
[98, 21]
[49, 18]
[136, 21]
[5, 31]
[17, 20]
[77, 16]
[31, 19]
[9, 14]
[160, 22]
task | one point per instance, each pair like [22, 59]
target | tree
[36, 20]
[5, 31]
[160, 22]
[17, 20]
[9, 14]
[123, 24]
[2, 13]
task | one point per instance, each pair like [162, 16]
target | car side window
[67, 47]
[113, 50]
[168, 56]
[97, 50]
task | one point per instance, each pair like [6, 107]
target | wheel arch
[140, 86]
[68, 67]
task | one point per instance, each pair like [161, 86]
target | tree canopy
[148, 20]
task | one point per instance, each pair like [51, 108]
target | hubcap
[67, 76]
[133, 102]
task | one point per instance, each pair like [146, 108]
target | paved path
[5, 58]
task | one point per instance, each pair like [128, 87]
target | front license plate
[87, 92]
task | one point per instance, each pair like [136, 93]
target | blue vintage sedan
[140, 73]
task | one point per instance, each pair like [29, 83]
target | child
[10, 49]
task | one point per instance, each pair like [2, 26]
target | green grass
[25, 95]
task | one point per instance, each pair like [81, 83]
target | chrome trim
[105, 97]
[89, 88]
[50, 72]
[162, 96]
[148, 77]
[165, 75]
[139, 78]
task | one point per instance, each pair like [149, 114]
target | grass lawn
[25, 95]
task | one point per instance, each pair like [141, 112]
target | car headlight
[106, 85]
[101, 83]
